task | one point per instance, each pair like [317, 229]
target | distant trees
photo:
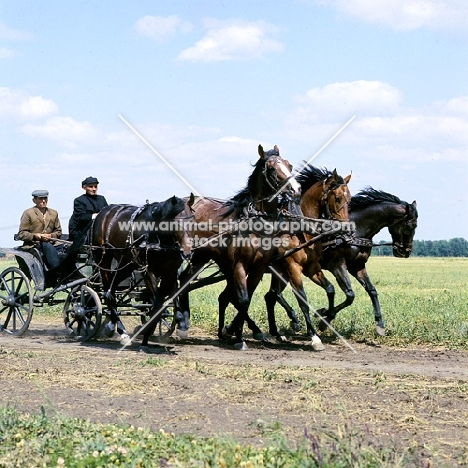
[457, 247]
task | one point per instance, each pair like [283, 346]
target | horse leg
[329, 314]
[295, 325]
[155, 312]
[364, 280]
[224, 299]
[109, 283]
[242, 291]
[276, 287]
[295, 278]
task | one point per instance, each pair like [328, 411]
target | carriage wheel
[16, 301]
[82, 313]
[164, 328]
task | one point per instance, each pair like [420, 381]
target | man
[85, 208]
[38, 225]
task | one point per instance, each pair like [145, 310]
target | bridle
[407, 226]
[325, 206]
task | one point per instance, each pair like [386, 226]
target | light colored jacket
[33, 221]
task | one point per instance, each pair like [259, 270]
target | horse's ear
[347, 179]
[191, 200]
[174, 200]
[276, 149]
[335, 174]
[414, 204]
[261, 153]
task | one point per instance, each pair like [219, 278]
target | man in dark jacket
[85, 208]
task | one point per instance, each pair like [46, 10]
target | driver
[38, 225]
[85, 208]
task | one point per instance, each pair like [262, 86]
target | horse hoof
[380, 330]
[322, 326]
[317, 344]
[295, 327]
[108, 330]
[225, 334]
[241, 346]
[184, 334]
[258, 336]
[125, 339]
[281, 339]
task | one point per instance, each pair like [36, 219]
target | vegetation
[423, 301]
[457, 247]
[38, 440]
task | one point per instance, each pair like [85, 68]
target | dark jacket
[83, 209]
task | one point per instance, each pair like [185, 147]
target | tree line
[457, 247]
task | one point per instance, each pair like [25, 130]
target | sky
[165, 98]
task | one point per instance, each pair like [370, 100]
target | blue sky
[204, 82]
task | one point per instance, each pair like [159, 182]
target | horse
[125, 238]
[325, 195]
[221, 232]
[370, 211]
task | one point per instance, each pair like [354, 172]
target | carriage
[27, 287]
[149, 274]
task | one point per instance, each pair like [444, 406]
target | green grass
[423, 301]
[41, 440]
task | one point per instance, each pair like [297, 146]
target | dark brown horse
[371, 211]
[126, 238]
[325, 195]
[223, 232]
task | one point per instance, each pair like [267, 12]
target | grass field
[423, 301]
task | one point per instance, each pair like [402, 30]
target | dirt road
[414, 397]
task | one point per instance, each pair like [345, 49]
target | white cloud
[15, 104]
[161, 27]
[10, 34]
[233, 40]
[405, 14]
[337, 102]
[61, 129]
[7, 53]
[433, 132]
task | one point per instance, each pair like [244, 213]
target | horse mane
[370, 196]
[310, 175]
[246, 196]
[168, 209]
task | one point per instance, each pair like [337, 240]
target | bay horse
[221, 232]
[371, 211]
[325, 195]
[126, 238]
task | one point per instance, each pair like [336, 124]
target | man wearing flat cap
[85, 208]
[38, 225]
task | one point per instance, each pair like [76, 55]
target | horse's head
[171, 215]
[278, 172]
[403, 231]
[335, 197]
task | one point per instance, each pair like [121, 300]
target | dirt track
[411, 397]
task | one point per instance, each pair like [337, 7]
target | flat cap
[89, 180]
[40, 193]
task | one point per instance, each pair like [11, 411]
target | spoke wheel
[16, 301]
[82, 313]
[164, 328]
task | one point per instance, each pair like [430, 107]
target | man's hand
[41, 237]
